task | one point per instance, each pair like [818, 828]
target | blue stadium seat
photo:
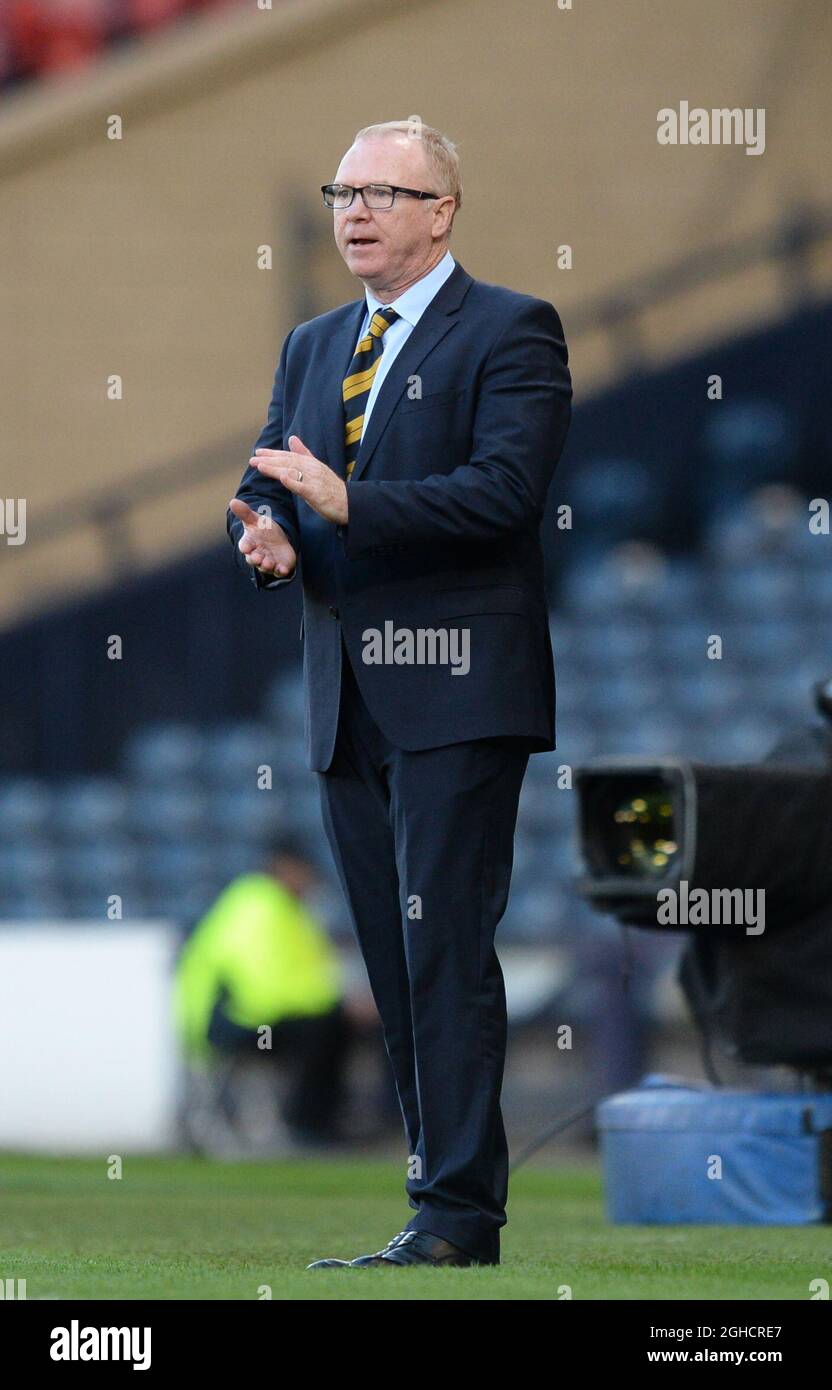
[179, 865]
[816, 591]
[636, 581]
[162, 754]
[290, 758]
[626, 692]
[769, 524]
[255, 816]
[747, 738]
[647, 737]
[762, 643]
[764, 590]
[534, 913]
[285, 705]
[606, 647]
[233, 754]
[578, 736]
[32, 906]
[747, 443]
[89, 808]
[711, 688]
[613, 500]
[28, 865]
[789, 690]
[182, 904]
[106, 867]
[94, 904]
[25, 808]
[162, 813]
[536, 813]
[303, 814]
[553, 859]
[233, 857]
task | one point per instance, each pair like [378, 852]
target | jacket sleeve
[263, 493]
[520, 427]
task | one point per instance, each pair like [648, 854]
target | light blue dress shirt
[411, 305]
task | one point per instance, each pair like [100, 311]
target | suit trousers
[423, 845]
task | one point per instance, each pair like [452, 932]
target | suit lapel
[437, 320]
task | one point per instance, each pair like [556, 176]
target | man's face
[389, 248]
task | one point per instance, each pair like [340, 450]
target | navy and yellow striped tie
[359, 380]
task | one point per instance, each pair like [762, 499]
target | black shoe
[416, 1248]
[362, 1259]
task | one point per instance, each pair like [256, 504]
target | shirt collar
[412, 304]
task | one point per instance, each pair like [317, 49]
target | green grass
[183, 1228]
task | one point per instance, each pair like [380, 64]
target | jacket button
[333, 612]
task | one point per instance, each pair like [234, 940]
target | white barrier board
[89, 1060]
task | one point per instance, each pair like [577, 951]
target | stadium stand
[139, 778]
[180, 812]
[42, 38]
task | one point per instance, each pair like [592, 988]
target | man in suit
[410, 442]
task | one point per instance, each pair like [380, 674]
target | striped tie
[359, 380]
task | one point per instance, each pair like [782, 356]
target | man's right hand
[264, 544]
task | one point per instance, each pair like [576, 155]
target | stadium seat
[285, 705]
[160, 813]
[761, 590]
[537, 912]
[110, 867]
[163, 754]
[706, 688]
[87, 808]
[746, 443]
[233, 754]
[29, 865]
[251, 816]
[613, 500]
[769, 523]
[25, 808]
[747, 738]
[34, 905]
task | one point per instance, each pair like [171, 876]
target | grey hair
[440, 152]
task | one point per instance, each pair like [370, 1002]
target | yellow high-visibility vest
[261, 946]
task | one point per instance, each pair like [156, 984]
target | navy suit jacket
[445, 505]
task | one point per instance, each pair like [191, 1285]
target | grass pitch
[182, 1228]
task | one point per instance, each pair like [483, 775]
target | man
[406, 457]
[259, 958]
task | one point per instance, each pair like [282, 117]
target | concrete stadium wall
[139, 256]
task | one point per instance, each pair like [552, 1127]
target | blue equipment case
[660, 1142]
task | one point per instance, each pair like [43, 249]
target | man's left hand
[300, 472]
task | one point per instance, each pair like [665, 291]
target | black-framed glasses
[375, 195]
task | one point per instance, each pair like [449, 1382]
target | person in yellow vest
[258, 978]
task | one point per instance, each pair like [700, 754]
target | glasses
[375, 195]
